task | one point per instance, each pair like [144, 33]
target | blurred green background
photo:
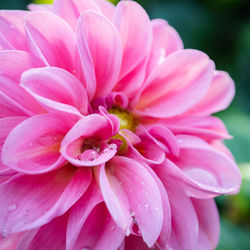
[221, 28]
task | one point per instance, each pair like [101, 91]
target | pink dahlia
[107, 138]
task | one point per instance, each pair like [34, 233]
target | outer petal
[33, 146]
[165, 41]
[49, 236]
[15, 62]
[122, 178]
[205, 172]
[219, 95]
[91, 225]
[16, 98]
[46, 33]
[29, 201]
[57, 90]
[136, 34]
[70, 10]
[12, 32]
[185, 227]
[176, 85]
[38, 7]
[93, 127]
[107, 8]
[104, 46]
[209, 223]
[6, 125]
[206, 127]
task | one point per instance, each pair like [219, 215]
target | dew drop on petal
[12, 207]
[146, 205]
[112, 228]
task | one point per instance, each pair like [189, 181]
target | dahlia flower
[107, 138]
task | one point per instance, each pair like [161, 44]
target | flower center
[127, 120]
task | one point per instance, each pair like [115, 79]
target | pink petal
[33, 146]
[46, 35]
[38, 7]
[11, 241]
[135, 30]
[29, 201]
[15, 62]
[185, 228]
[12, 32]
[106, 7]
[165, 41]
[104, 46]
[49, 236]
[17, 98]
[122, 178]
[98, 129]
[176, 85]
[209, 223]
[6, 125]
[57, 90]
[207, 127]
[219, 95]
[96, 232]
[70, 10]
[204, 171]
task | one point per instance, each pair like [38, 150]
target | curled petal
[104, 45]
[84, 144]
[218, 97]
[46, 32]
[12, 32]
[165, 41]
[122, 178]
[15, 62]
[209, 226]
[135, 31]
[176, 85]
[70, 10]
[29, 201]
[57, 90]
[33, 146]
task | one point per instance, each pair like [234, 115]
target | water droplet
[112, 228]
[112, 147]
[132, 213]
[127, 231]
[146, 205]
[105, 151]
[156, 208]
[180, 140]
[12, 207]
[4, 233]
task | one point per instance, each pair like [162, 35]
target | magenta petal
[33, 146]
[50, 236]
[33, 200]
[176, 85]
[12, 32]
[135, 30]
[135, 243]
[16, 62]
[46, 33]
[56, 89]
[95, 128]
[132, 187]
[219, 95]
[209, 223]
[165, 41]
[70, 10]
[104, 45]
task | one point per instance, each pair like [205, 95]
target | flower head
[106, 129]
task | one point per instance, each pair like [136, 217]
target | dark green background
[221, 28]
